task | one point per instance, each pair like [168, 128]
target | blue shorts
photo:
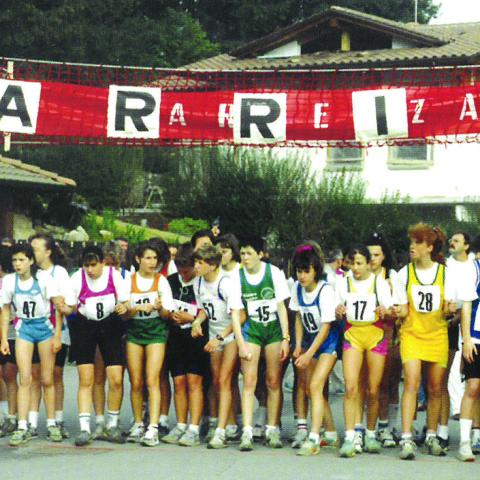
[35, 331]
[330, 344]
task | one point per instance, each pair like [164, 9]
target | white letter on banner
[133, 112]
[419, 103]
[225, 115]
[319, 114]
[19, 104]
[469, 102]
[379, 114]
[259, 117]
[177, 115]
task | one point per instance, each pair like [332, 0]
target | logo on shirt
[267, 293]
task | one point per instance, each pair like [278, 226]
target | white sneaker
[136, 433]
[299, 437]
[150, 439]
[358, 442]
[218, 441]
[465, 453]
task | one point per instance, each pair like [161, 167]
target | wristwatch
[286, 337]
[219, 338]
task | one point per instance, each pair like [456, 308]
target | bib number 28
[425, 303]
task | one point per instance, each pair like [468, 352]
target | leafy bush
[187, 225]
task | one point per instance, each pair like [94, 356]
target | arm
[243, 350]
[5, 316]
[213, 343]
[469, 348]
[304, 359]
[197, 323]
[283, 317]
[298, 335]
[57, 338]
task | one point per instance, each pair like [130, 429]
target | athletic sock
[33, 419]
[84, 422]
[99, 419]
[383, 424]
[270, 428]
[51, 422]
[349, 435]
[112, 421]
[302, 424]
[248, 430]
[182, 426]
[22, 425]
[442, 432]
[163, 422]
[220, 432]
[359, 428]
[465, 429]
[370, 433]
[59, 416]
[314, 437]
[430, 435]
[194, 428]
[407, 436]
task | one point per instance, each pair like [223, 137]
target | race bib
[426, 298]
[142, 299]
[262, 311]
[361, 308]
[30, 306]
[310, 318]
[99, 308]
[186, 307]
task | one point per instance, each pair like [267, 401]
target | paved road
[42, 460]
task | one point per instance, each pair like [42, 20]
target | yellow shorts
[366, 338]
[434, 349]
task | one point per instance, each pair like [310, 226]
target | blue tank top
[30, 304]
[475, 320]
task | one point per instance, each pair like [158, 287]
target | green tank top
[259, 300]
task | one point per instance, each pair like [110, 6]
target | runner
[102, 296]
[264, 290]
[31, 292]
[221, 303]
[186, 357]
[147, 330]
[424, 293]
[316, 337]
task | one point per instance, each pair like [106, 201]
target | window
[408, 157]
[350, 159]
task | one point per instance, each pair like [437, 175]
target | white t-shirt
[164, 291]
[326, 300]
[426, 277]
[459, 271]
[364, 287]
[230, 273]
[99, 284]
[280, 284]
[48, 288]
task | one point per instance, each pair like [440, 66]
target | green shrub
[187, 225]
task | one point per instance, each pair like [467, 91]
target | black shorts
[60, 358]
[472, 370]
[185, 354]
[10, 358]
[453, 334]
[107, 334]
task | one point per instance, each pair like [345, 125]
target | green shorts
[147, 331]
[262, 334]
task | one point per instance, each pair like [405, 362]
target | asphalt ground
[43, 460]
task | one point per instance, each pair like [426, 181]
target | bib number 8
[100, 311]
[426, 301]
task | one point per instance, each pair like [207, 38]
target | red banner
[60, 112]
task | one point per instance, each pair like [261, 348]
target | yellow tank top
[425, 304]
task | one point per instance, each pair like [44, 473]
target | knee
[47, 379]
[180, 383]
[152, 381]
[225, 382]
[273, 382]
[472, 391]
[351, 390]
[435, 389]
[411, 384]
[86, 381]
[249, 381]
[373, 392]
[25, 380]
[195, 384]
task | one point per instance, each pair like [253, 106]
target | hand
[157, 304]
[469, 350]
[4, 347]
[120, 309]
[147, 308]
[196, 329]
[180, 317]
[212, 345]
[297, 352]
[381, 312]
[244, 352]
[284, 349]
[303, 360]
[56, 344]
[63, 308]
[340, 311]
[451, 307]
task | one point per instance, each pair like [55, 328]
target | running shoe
[258, 433]
[136, 433]
[233, 436]
[65, 433]
[162, 430]
[173, 436]
[246, 442]
[217, 442]
[309, 448]
[408, 449]
[386, 438]
[150, 438]
[299, 437]
[33, 431]
[348, 449]
[19, 437]
[54, 434]
[433, 447]
[8, 427]
[476, 447]
[358, 442]
[328, 442]
[100, 432]
[189, 439]
[115, 435]
[372, 445]
[272, 439]
[83, 438]
[444, 443]
[465, 453]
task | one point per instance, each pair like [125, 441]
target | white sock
[370, 433]
[262, 415]
[270, 428]
[112, 421]
[194, 428]
[59, 416]
[393, 415]
[99, 419]
[22, 425]
[465, 429]
[137, 424]
[163, 420]
[407, 436]
[430, 435]
[182, 426]
[302, 423]
[314, 437]
[84, 422]
[51, 422]
[248, 430]
[442, 431]
[349, 435]
[33, 419]
[475, 435]
[220, 432]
